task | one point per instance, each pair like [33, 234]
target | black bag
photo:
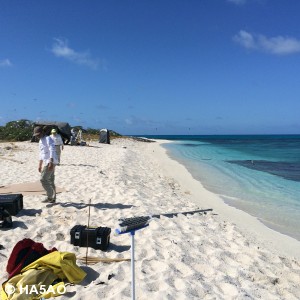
[13, 203]
[5, 219]
[97, 238]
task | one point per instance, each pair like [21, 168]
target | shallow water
[258, 174]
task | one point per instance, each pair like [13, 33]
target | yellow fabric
[26, 283]
[43, 272]
[63, 264]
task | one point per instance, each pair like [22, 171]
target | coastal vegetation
[21, 130]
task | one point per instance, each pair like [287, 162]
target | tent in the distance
[104, 136]
[63, 128]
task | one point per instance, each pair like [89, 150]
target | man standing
[58, 142]
[48, 160]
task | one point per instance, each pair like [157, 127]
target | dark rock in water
[286, 170]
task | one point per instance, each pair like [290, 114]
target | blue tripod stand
[131, 225]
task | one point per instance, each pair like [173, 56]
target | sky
[153, 66]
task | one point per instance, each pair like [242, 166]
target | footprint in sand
[183, 268]
[228, 289]
[293, 277]
[204, 269]
[242, 258]
[154, 266]
[179, 284]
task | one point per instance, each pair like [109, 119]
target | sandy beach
[222, 254]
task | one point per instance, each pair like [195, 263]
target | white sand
[225, 254]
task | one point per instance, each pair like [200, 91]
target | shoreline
[270, 237]
[273, 227]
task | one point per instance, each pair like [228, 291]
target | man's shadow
[32, 212]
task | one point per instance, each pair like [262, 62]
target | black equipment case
[97, 238]
[13, 203]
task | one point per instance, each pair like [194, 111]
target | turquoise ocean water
[257, 174]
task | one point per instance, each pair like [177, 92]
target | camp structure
[104, 137]
[63, 128]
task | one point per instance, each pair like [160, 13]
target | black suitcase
[13, 203]
[97, 238]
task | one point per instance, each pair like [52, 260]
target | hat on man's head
[53, 130]
[37, 130]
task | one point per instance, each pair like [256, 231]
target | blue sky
[153, 66]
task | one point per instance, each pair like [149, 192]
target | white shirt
[47, 150]
[57, 139]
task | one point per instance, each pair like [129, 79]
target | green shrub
[16, 131]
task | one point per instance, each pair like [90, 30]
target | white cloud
[275, 45]
[245, 39]
[60, 48]
[280, 45]
[5, 63]
[238, 2]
